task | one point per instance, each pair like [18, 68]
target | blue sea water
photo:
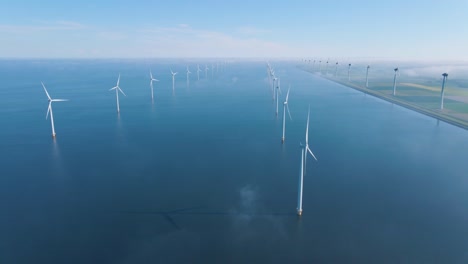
[201, 176]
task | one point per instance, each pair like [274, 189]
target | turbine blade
[310, 151]
[59, 100]
[48, 110]
[287, 107]
[121, 91]
[287, 95]
[48, 96]
[151, 75]
[118, 81]
[113, 88]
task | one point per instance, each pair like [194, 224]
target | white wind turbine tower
[367, 76]
[326, 68]
[49, 109]
[394, 80]
[320, 66]
[278, 90]
[313, 66]
[151, 84]
[273, 87]
[206, 71]
[336, 70]
[349, 69]
[117, 90]
[188, 72]
[304, 151]
[198, 72]
[173, 79]
[442, 92]
[273, 79]
[212, 70]
[285, 106]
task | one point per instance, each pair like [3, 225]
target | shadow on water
[168, 215]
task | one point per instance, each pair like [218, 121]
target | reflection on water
[57, 160]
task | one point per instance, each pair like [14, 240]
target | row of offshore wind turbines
[396, 70]
[218, 67]
[275, 84]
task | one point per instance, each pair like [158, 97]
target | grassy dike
[390, 98]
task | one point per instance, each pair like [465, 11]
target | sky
[398, 29]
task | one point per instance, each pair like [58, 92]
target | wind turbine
[273, 87]
[117, 90]
[367, 76]
[313, 66]
[336, 70]
[320, 66]
[278, 91]
[349, 69]
[304, 149]
[326, 68]
[285, 106]
[188, 72]
[394, 80]
[49, 109]
[443, 90]
[206, 71]
[212, 70]
[173, 79]
[198, 72]
[151, 84]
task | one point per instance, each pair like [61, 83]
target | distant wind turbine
[367, 76]
[273, 87]
[206, 71]
[349, 69]
[117, 90]
[336, 70]
[198, 72]
[320, 66]
[278, 91]
[173, 79]
[49, 109]
[285, 106]
[188, 72]
[305, 150]
[151, 84]
[442, 92]
[326, 68]
[212, 70]
[394, 80]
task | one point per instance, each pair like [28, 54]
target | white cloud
[456, 71]
[46, 26]
[249, 30]
[183, 41]
[77, 40]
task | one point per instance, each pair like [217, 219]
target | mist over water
[201, 174]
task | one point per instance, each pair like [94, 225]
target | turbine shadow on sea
[168, 215]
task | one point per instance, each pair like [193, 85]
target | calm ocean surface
[201, 174]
